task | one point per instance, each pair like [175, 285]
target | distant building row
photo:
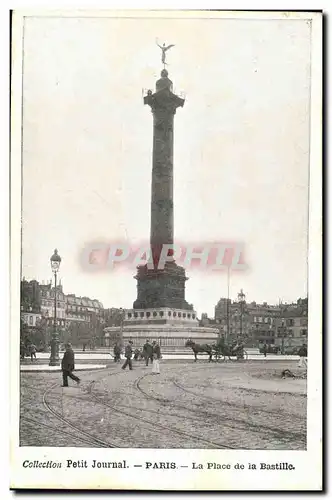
[80, 315]
[283, 324]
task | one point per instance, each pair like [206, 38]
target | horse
[197, 348]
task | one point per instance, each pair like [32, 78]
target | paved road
[189, 405]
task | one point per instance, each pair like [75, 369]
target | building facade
[30, 296]
[282, 324]
[47, 294]
[82, 309]
[30, 318]
[292, 326]
[233, 319]
[79, 319]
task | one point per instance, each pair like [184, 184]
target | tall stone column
[162, 287]
[163, 106]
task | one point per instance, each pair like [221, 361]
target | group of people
[151, 352]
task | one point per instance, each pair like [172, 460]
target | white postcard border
[308, 464]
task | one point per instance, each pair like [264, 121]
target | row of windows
[261, 319]
[69, 306]
[161, 315]
[79, 317]
[59, 322]
[59, 313]
[76, 308]
[51, 295]
[50, 303]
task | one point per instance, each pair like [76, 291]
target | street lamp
[227, 306]
[241, 298]
[283, 333]
[122, 314]
[55, 265]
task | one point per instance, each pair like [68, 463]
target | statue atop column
[164, 49]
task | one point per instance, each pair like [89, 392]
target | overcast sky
[241, 155]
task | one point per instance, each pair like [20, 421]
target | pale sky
[241, 153]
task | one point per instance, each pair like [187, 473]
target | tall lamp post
[121, 314]
[55, 265]
[121, 320]
[283, 333]
[241, 298]
[227, 304]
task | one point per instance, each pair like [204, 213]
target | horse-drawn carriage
[232, 350]
[219, 350]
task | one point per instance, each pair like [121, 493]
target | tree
[24, 332]
[37, 335]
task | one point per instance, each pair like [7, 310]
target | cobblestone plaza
[229, 405]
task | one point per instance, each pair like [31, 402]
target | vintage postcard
[166, 173]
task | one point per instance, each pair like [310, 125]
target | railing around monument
[168, 345]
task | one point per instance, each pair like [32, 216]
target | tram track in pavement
[174, 430]
[93, 439]
[96, 442]
[237, 405]
[87, 437]
[61, 431]
[256, 428]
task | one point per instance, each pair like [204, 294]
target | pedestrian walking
[303, 353]
[128, 355]
[156, 357]
[148, 352]
[117, 353]
[68, 366]
[264, 349]
[32, 351]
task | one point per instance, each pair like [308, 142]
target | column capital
[163, 101]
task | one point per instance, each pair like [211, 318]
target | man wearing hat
[128, 355]
[148, 352]
[68, 365]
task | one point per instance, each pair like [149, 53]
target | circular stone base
[172, 338]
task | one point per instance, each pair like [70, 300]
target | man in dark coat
[68, 366]
[32, 351]
[117, 353]
[128, 355]
[148, 352]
